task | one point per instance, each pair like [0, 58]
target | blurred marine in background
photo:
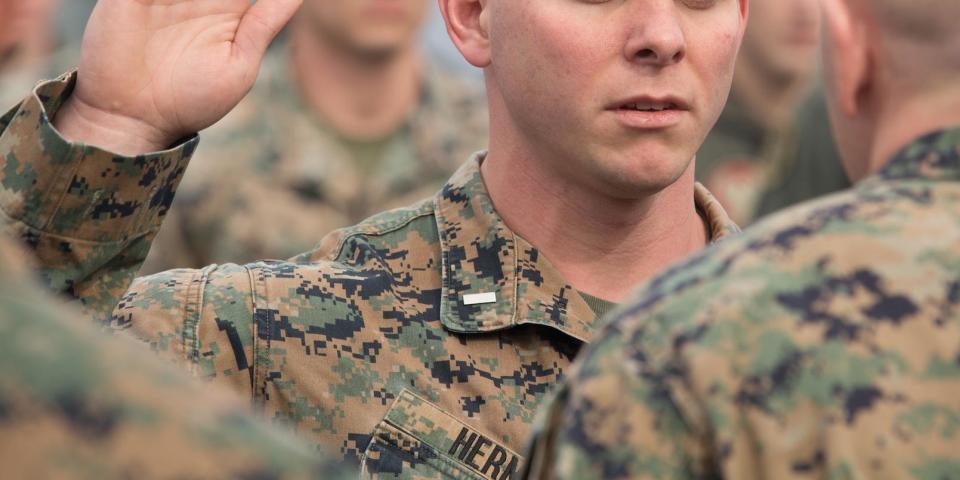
[347, 119]
[77, 404]
[29, 47]
[825, 341]
[773, 75]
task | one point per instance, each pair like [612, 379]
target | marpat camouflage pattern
[421, 341]
[77, 404]
[822, 343]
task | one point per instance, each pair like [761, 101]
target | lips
[650, 104]
[647, 112]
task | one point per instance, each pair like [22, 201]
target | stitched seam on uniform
[57, 182]
[79, 241]
[192, 313]
[76, 154]
[259, 384]
[444, 264]
[515, 317]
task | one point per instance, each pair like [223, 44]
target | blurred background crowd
[388, 108]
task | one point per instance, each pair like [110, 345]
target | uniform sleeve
[624, 413]
[202, 319]
[87, 215]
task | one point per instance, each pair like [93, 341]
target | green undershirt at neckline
[599, 306]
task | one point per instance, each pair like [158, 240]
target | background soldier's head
[369, 28]
[892, 72]
[781, 40]
[561, 76]
[23, 22]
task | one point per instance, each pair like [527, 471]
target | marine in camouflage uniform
[294, 178]
[77, 404]
[821, 343]
[422, 340]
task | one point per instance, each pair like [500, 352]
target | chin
[639, 177]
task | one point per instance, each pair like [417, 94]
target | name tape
[485, 456]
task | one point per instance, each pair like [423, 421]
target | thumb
[261, 23]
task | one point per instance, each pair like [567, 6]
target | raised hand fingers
[261, 23]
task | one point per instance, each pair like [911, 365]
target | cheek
[714, 65]
[718, 57]
[552, 42]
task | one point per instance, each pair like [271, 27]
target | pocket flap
[442, 441]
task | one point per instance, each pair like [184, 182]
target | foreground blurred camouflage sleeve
[822, 343]
[76, 404]
[87, 215]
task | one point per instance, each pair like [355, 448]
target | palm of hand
[175, 66]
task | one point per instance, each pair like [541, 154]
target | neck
[362, 97]
[769, 99]
[904, 120]
[601, 245]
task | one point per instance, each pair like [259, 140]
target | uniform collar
[935, 156]
[484, 261]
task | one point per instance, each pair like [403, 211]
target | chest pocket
[417, 440]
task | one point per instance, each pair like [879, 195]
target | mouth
[650, 112]
[650, 104]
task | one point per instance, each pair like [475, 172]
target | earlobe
[468, 26]
[849, 64]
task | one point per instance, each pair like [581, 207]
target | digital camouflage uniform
[77, 404]
[822, 343]
[294, 179]
[382, 344]
[734, 161]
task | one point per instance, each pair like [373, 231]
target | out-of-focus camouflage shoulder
[833, 322]
[77, 404]
[396, 225]
[765, 241]
[934, 156]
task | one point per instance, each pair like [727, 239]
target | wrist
[77, 121]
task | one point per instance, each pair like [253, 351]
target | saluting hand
[153, 71]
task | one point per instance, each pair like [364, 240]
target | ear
[744, 13]
[847, 56]
[468, 27]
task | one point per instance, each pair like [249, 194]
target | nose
[656, 35]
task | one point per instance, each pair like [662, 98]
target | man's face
[367, 27]
[582, 81]
[782, 37]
